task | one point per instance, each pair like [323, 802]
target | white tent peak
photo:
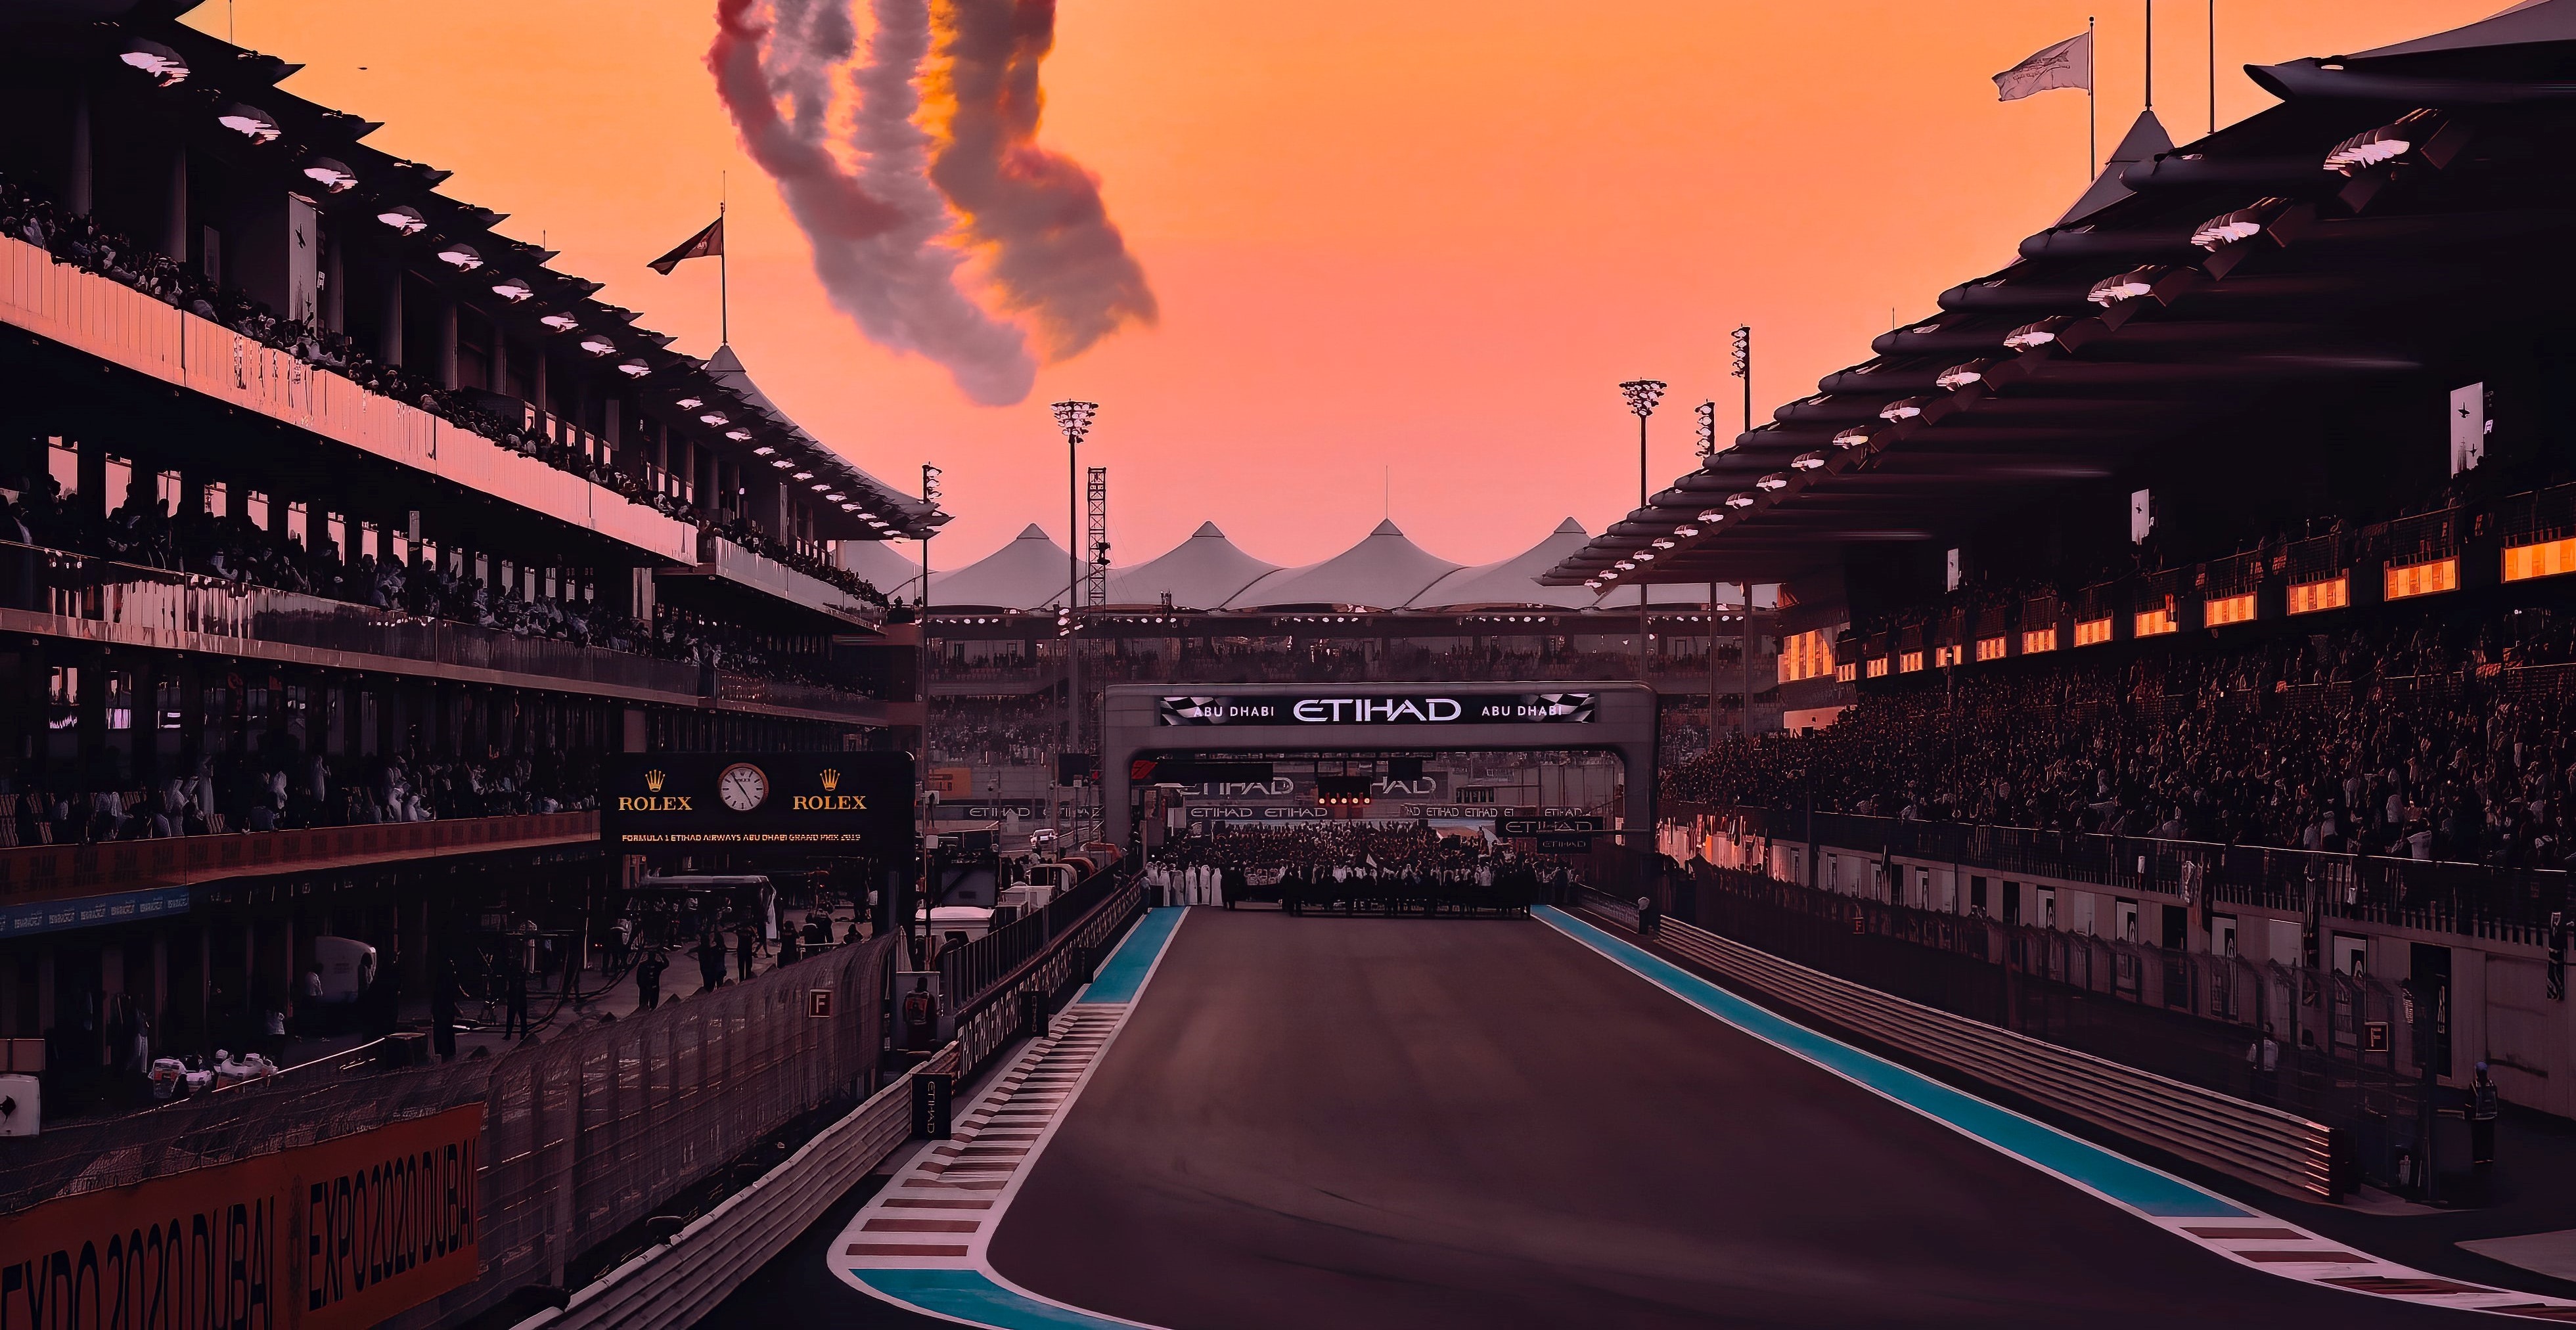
[1025, 574]
[1201, 573]
[1384, 571]
[1513, 583]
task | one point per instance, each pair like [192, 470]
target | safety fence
[675, 1285]
[2222, 1132]
[967, 970]
[584, 1136]
[2476, 900]
[2343, 1051]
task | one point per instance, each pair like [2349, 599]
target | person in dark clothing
[514, 980]
[1650, 921]
[2482, 1118]
[648, 979]
[920, 1016]
[791, 948]
[711, 962]
[746, 943]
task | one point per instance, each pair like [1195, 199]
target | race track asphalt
[1413, 1123]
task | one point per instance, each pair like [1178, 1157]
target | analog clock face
[742, 787]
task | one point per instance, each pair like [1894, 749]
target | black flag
[705, 244]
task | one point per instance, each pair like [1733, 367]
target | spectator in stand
[2416, 738]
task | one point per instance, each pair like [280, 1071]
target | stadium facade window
[1993, 648]
[120, 699]
[1878, 668]
[2158, 620]
[2036, 641]
[2332, 593]
[2222, 610]
[2423, 579]
[1910, 662]
[62, 462]
[1945, 656]
[2548, 558]
[2092, 632]
[62, 697]
[1846, 672]
[1807, 655]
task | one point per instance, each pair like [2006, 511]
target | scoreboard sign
[847, 803]
[1292, 709]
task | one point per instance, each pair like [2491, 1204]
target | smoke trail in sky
[1037, 214]
[879, 234]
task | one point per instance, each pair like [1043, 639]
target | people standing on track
[648, 979]
[1650, 921]
[746, 943]
[711, 961]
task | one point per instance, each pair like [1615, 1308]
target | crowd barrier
[678, 1284]
[2219, 1131]
[675, 1285]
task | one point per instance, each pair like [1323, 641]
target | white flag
[2069, 64]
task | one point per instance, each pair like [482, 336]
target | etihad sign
[1388, 709]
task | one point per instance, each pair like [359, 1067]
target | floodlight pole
[1641, 395]
[1073, 418]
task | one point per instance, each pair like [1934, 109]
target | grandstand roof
[1201, 573]
[1026, 574]
[1512, 583]
[2229, 279]
[1384, 571]
[219, 72]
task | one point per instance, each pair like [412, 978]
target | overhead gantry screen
[1148, 720]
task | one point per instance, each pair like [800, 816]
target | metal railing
[2476, 900]
[2196, 1123]
[155, 607]
[966, 971]
[32, 874]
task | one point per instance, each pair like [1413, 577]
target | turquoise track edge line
[1119, 980]
[971, 1296]
[2116, 1177]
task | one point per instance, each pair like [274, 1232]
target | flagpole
[724, 276]
[2151, 55]
[2092, 103]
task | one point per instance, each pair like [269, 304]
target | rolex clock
[742, 787]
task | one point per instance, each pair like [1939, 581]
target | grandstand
[341, 538]
[2206, 560]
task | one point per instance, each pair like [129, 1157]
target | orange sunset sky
[1418, 240]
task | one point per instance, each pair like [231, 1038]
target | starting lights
[1342, 791]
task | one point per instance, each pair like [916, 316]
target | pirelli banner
[829, 803]
[1286, 709]
[335, 1236]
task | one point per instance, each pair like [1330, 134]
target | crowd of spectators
[293, 791]
[1018, 731]
[237, 551]
[1404, 847]
[2412, 737]
[79, 240]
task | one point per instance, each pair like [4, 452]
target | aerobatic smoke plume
[1055, 253]
[896, 202]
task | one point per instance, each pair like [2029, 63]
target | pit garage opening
[1429, 746]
